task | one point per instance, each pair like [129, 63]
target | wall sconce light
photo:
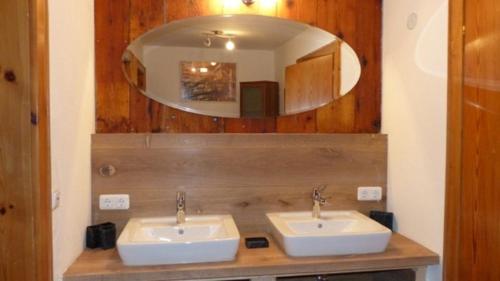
[248, 2]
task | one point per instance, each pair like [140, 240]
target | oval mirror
[241, 66]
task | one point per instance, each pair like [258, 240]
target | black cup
[101, 236]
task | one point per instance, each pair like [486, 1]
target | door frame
[454, 188]
[40, 97]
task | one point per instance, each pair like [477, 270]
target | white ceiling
[251, 32]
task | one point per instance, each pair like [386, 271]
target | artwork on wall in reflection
[208, 81]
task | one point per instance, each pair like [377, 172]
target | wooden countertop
[99, 265]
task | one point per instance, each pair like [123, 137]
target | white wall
[414, 117]
[163, 74]
[72, 122]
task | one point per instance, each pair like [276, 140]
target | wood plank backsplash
[245, 175]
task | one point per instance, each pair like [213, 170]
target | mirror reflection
[241, 66]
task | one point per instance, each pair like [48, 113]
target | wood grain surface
[120, 109]
[309, 84]
[25, 213]
[479, 226]
[401, 253]
[452, 243]
[245, 175]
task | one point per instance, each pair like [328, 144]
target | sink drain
[181, 231]
[320, 225]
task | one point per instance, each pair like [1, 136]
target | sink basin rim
[154, 240]
[135, 223]
[279, 222]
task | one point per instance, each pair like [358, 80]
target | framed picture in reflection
[208, 81]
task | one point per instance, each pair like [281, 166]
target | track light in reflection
[230, 45]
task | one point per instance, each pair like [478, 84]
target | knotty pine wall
[121, 109]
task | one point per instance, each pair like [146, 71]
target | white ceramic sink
[334, 233]
[154, 241]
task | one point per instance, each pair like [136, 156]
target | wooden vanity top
[99, 265]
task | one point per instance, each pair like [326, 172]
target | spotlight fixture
[219, 34]
[213, 63]
[230, 44]
[248, 2]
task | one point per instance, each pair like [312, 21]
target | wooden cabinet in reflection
[259, 99]
[314, 80]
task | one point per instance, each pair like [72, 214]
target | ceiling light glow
[230, 45]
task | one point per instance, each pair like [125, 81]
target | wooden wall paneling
[245, 175]
[16, 227]
[368, 46]
[299, 10]
[452, 241]
[337, 116]
[178, 121]
[112, 26]
[267, 8]
[339, 18]
[249, 125]
[359, 24]
[144, 15]
[297, 123]
[25, 214]
[120, 109]
[180, 9]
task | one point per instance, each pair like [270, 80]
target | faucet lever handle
[316, 196]
[181, 195]
[181, 199]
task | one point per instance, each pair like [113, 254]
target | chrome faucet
[318, 201]
[181, 207]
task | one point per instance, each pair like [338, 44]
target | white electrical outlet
[114, 202]
[369, 193]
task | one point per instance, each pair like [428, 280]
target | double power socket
[369, 193]
[114, 201]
